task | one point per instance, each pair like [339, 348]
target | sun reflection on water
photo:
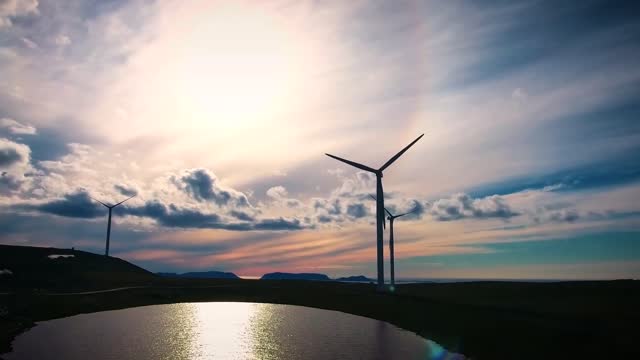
[225, 330]
[237, 331]
[222, 331]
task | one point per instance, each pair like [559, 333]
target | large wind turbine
[391, 218]
[110, 207]
[379, 204]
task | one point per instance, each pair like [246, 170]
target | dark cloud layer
[201, 184]
[357, 210]
[75, 205]
[80, 205]
[241, 215]
[125, 190]
[173, 216]
[9, 156]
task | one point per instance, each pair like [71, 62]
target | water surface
[238, 331]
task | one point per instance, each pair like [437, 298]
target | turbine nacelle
[112, 206]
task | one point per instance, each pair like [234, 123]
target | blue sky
[217, 115]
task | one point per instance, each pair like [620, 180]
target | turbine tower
[110, 207]
[391, 218]
[379, 204]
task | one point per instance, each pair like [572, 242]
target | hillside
[65, 269]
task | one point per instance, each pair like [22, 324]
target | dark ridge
[291, 276]
[31, 267]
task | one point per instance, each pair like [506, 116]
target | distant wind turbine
[391, 218]
[110, 207]
[379, 204]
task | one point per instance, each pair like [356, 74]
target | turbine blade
[129, 198]
[352, 163]
[373, 197]
[388, 212]
[94, 199]
[407, 213]
[396, 156]
[384, 218]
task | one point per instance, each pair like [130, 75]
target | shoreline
[464, 318]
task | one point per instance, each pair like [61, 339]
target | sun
[237, 68]
[225, 81]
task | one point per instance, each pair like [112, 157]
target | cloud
[566, 215]
[277, 192]
[16, 128]
[359, 186]
[562, 212]
[202, 185]
[15, 167]
[241, 215]
[174, 216]
[15, 8]
[126, 190]
[10, 155]
[80, 205]
[74, 205]
[462, 206]
[332, 207]
[280, 196]
[62, 40]
[279, 224]
[29, 43]
[357, 210]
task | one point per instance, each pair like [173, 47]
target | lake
[222, 330]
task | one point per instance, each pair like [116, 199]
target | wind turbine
[379, 204]
[391, 218]
[110, 207]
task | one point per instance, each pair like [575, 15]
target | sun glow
[227, 82]
[238, 68]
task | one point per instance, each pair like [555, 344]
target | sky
[217, 116]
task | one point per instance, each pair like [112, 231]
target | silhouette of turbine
[110, 207]
[379, 204]
[391, 218]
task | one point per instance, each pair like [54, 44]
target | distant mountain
[202, 275]
[290, 276]
[359, 278]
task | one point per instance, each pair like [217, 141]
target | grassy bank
[586, 320]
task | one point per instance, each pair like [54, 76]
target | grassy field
[484, 320]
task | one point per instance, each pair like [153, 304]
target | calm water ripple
[235, 331]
